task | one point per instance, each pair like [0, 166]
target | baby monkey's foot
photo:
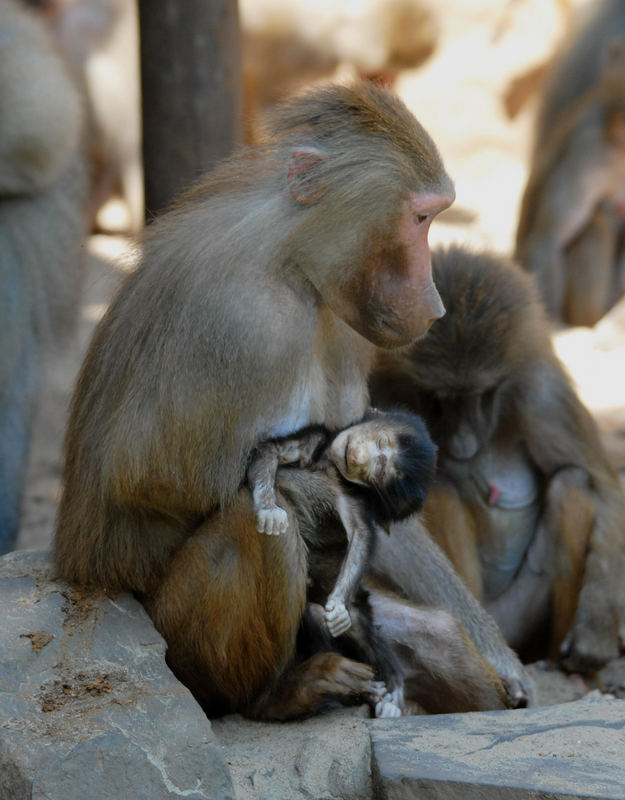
[337, 617]
[272, 521]
[377, 690]
[391, 704]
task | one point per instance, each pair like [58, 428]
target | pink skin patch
[494, 493]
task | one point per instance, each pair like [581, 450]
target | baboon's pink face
[392, 300]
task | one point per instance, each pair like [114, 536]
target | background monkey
[525, 502]
[570, 227]
[42, 229]
[255, 311]
[98, 41]
[377, 470]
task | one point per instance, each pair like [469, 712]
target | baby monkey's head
[392, 453]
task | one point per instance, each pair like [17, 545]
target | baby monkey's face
[366, 453]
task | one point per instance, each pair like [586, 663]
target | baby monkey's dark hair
[404, 493]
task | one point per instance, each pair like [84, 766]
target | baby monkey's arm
[261, 476]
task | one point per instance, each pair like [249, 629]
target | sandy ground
[103, 272]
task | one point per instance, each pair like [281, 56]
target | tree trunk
[191, 92]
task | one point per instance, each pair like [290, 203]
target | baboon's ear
[302, 178]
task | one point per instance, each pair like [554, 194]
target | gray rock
[88, 707]
[574, 750]
[89, 710]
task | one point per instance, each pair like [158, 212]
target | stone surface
[88, 707]
[573, 750]
[327, 757]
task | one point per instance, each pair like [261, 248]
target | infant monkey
[377, 470]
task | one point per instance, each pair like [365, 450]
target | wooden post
[191, 92]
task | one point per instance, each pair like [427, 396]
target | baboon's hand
[272, 521]
[337, 617]
[590, 643]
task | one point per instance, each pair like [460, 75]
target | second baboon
[525, 502]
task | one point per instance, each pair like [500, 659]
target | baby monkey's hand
[272, 521]
[337, 617]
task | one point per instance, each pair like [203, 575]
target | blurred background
[470, 70]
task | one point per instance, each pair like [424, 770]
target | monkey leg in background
[42, 230]
[443, 670]
[550, 579]
[526, 502]
[578, 164]
[590, 274]
[454, 655]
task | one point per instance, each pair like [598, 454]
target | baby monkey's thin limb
[261, 476]
[359, 538]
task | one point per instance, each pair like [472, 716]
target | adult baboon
[525, 502]
[255, 311]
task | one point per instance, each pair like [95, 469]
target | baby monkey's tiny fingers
[272, 521]
[337, 618]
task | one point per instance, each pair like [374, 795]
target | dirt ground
[106, 255]
[457, 95]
